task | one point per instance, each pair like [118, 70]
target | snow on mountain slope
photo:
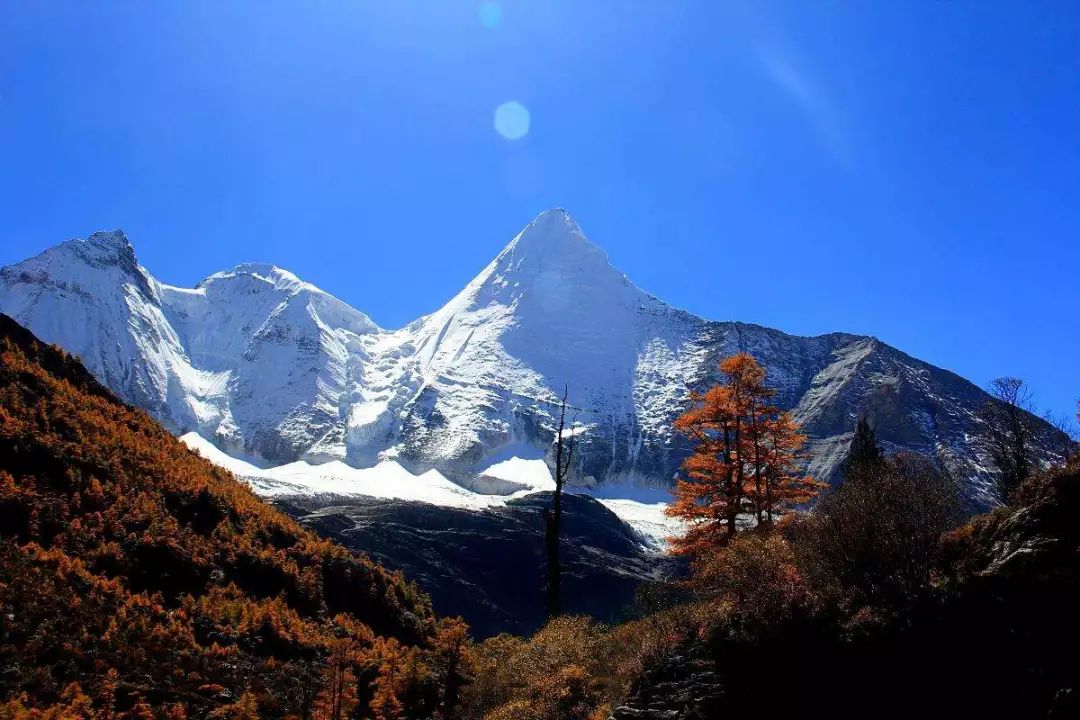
[275, 370]
[549, 312]
[648, 519]
[91, 297]
[387, 480]
[516, 474]
[252, 357]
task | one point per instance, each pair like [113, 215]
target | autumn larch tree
[786, 484]
[453, 662]
[564, 455]
[746, 459]
[338, 697]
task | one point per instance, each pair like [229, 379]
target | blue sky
[909, 170]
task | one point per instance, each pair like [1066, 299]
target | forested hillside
[138, 580]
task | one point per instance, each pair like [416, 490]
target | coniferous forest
[139, 581]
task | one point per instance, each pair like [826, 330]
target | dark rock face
[685, 686]
[488, 566]
[1035, 541]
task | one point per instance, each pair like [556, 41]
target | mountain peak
[75, 260]
[115, 239]
[278, 278]
[547, 268]
[276, 368]
[552, 243]
[551, 227]
[555, 215]
[110, 247]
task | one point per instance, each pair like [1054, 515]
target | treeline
[139, 581]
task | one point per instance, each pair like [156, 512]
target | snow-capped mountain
[274, 370]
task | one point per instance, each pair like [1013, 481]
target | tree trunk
[554, 570]
[733, 498]
[755, 430]
[564, 453]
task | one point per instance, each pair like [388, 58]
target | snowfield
[387, 480]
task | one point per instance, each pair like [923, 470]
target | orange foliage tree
[338, 697]
[746, 461]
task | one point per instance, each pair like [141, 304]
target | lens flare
[512, 120]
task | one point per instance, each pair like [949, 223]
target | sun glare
[512, 120]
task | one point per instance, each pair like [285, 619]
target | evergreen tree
[864, 459]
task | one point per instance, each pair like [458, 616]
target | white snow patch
[519, 474]
[387, 480]
[210, 451]
[648, 519]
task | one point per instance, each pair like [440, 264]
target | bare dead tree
[1007, 427]
[1064, 424]
[1065, 442]
[564, 456]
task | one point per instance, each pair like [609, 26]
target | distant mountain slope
[488, 566]
[275, 370]
[136, 569]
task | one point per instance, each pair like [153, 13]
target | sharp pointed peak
[555, 220]
[105, 247]
[554, 215]
[549, 257]
[110, 238]
[552, 236]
